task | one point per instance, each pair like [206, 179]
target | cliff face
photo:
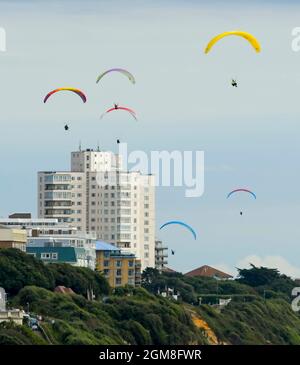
[138, 318]
[141, 318]
[203, 326]
[259, 311]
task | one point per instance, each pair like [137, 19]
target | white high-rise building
[98, 196]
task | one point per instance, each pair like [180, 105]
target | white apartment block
[98, 196]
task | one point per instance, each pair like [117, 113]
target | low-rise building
[48, 253]
[13, 238]
[161, 255]
[78, 248]
[119, 268]
[11, 315]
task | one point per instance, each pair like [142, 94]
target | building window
[106, 272]
[106, 263]
[118, 263]
[54, 256]
[131, 281]
[45, 256]
[119, 272]
[118, 281]
[130, 263]
[130, 272]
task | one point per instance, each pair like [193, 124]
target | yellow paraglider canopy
[249, 37]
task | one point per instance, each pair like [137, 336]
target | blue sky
[184, 101]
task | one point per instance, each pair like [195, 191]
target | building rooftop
[20, 215]
[168, 269]
[65, 254]
[42, 221]
[105, 246]
[208, 271]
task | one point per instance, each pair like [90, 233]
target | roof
[167, 269]
[105, 246]
[208, 271]
[63, 290]
[65, 254]
[20, 215]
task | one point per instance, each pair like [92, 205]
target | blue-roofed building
[105, 246]
[119, 268]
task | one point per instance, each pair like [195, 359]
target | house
[63, 290]
[210, 272]
[13, 238]
[11, 315]
[119, 268]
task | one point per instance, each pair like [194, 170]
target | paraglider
[173, 252]
[118, 141]
[66, 127]
[233, 83]
[74, 90]
[241, 190]
[249, 37]
[117, 107]
[121, 70]
[188, 227]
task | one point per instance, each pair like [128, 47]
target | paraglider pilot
[233, 83]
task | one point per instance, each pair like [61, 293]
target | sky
[184, 101]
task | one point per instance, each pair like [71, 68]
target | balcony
[55, 212]
[52, 187]
[58, 203]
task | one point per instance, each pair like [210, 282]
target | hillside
[259, 311]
